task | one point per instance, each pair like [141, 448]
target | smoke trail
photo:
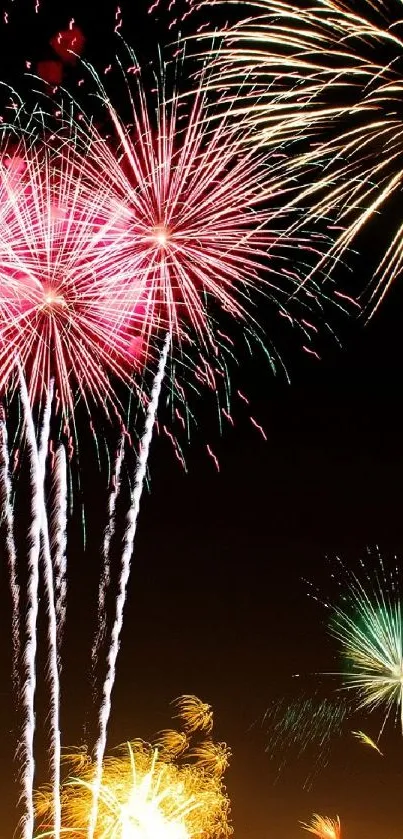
[131, 524]
[108, 534]
[8, 519]
[38, 529]
[58, 530]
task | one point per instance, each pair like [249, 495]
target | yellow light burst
[147, 792]
[323, 827]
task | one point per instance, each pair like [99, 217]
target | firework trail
[29, 658]
[8, 522]
[127, 552]
[58, 543]
[53, 667]
[323, 827]
[108, 535]
[333, 69]
[40, 526]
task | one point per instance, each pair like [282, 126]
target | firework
[366, 740]
[198, 214]
[366, 620]
[323, 827]
[143, 793]
[7, 518]
[194, 714]
[332, 71]
[189, 203]
[64, 313]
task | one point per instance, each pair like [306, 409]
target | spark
[323, 827]
[7, 518]
[213, 457]
[367, 741]
[194, 219]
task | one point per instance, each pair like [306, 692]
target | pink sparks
[213, 457]
[311, 352]
[259, 428]
[227, 416]
[243, 397]
[348, 298]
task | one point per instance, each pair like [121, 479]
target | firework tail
[29, 658]
[58, 540]
[53, 668]
[38, 532]
[8, 522]
[131, 525]
[106, 571]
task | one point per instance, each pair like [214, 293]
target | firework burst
[330, 73]
[200, 214]
[144, 793]
[366, 620]
[64, 313]
[323, 827]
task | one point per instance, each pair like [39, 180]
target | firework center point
[161, 234]
[52, 299]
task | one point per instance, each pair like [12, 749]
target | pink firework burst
[64, 312]
[198, 219]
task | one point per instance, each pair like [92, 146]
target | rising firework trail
[7, 518]
[333, 71]
[58, 541]
[303, 728]
[41, 535]
[127, 552]
[106, 569]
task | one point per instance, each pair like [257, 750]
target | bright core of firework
[323, 827]
[144, 794]
[161, 235]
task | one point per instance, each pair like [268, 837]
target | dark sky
[217, 605]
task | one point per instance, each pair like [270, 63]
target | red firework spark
[64, 314]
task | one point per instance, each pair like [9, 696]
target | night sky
[217, 603]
